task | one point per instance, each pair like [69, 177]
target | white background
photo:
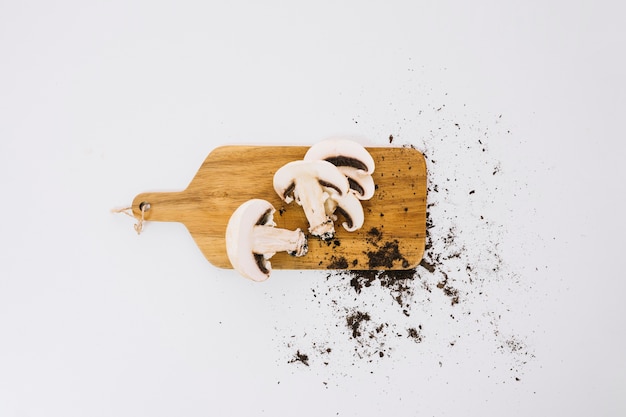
[100, 101]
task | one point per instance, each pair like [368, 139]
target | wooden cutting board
[392, 236]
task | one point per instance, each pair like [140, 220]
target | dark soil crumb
[452, 293]
[400, 284]
[333, 242]
[383, 254]
[449, 291]
[361, 279]
[415, 334]
[338, 263]
[300, 357]
[512, 344]
[354, 322]
[427, 265]
[374, 235]
[520, 352]
[386, 255]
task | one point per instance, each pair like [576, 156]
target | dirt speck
[300, 358]
[338, 263]
[415, 334]
[354, 322]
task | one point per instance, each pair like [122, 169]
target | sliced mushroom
[252, 239]
[347, 206]
[362, 185]
[342, 152]
[311, 183]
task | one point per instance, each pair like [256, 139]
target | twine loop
[143, 207]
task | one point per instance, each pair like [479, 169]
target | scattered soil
[301, 358]
[386, 255]
[338, 263]
[354, 322]
[444, 301]
[415, 334]
[383, 254]
[361, 279]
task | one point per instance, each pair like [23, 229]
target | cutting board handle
[161, 206]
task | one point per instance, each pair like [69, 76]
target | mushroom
[352, 159]
[349, 207]
[361, 184]
[342, 152]
[311, 183]
[252, 239]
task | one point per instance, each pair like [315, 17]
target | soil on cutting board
[383, 254]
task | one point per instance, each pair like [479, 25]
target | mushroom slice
[361, 184]
[342, 152]
[347, 206]
[252, 239]
[310, 183]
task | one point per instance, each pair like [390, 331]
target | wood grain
[395, 218]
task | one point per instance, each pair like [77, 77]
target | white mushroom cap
[251, 239]
[310, 183]
[342, 152]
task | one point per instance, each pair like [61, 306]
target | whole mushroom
[252, 239]
[310, 184]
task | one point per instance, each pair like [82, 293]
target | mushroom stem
[311, 196]
[268, 240]
[310, 183]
